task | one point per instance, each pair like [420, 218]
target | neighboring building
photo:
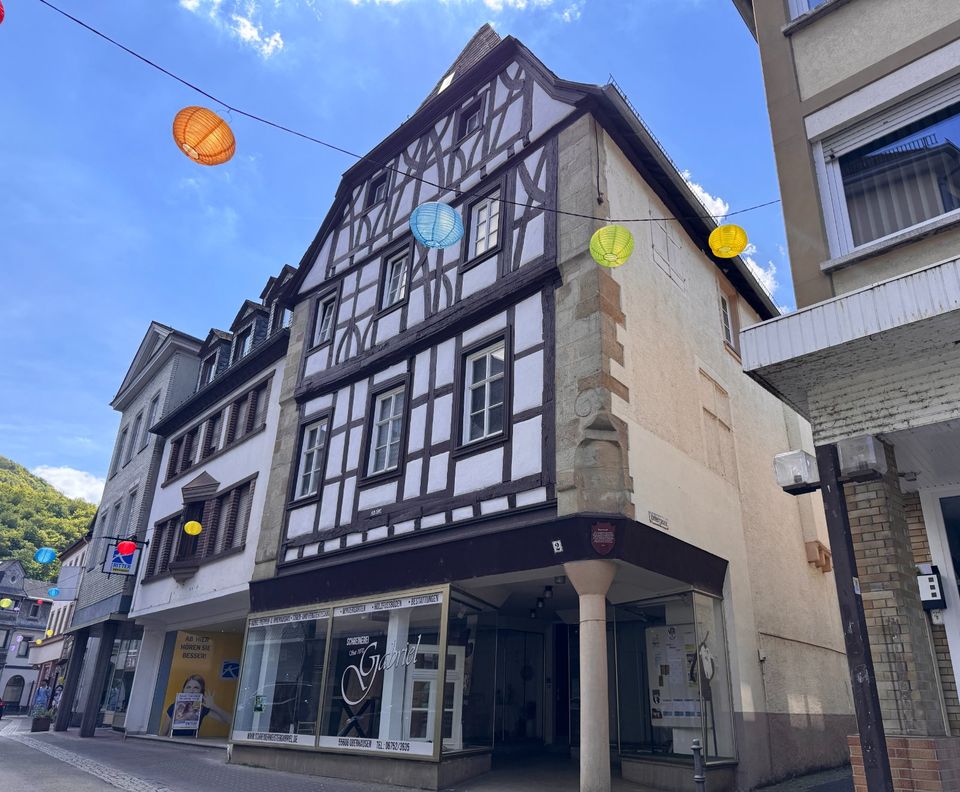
[20, 626]
[162, 375]
[864, 101]
[518, 500]
[193, 597]
[51, 656]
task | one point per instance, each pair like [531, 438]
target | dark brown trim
[269, 351]
[406, 247]
[434, 330]
[335, 290]
[490, 186]
[365, 479]
[460, 447]
[510, 543]
[292, 501]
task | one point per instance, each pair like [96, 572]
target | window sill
[480, 258]
[732, 350]
[477, 446]
[809, 17]
[931, 227]
[197, 465]
[382, 477]
[319, 346]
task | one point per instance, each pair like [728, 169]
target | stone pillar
[91, 707]
[592, 579]
[72, 682]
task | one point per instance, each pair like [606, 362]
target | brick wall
[917, 764]
[900, 640]
[921, 555]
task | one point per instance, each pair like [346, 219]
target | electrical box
[931, 587]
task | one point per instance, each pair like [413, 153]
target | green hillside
[33, 514]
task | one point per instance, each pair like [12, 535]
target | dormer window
[208, 369]
[242, 343]
[377, 191]
[470, 119]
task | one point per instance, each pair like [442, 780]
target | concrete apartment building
[106, 643]
[519, 502]
[192, 596]
[864, 102]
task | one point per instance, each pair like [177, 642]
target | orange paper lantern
[203, 136]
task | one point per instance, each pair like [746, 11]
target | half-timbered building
[521, 501]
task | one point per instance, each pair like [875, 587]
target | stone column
[72, 682]
[91, 708]
[592, 579]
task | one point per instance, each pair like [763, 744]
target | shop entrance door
[519, 694]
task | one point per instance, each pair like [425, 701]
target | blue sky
[105, 225]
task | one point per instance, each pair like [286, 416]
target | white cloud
[714, 205]
[767, 276]
[72, 482]
[253, 35]
[240, 23]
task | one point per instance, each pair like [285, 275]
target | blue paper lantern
[45, 555]
[436, 225]
[53, 592]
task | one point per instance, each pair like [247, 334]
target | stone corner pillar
[592, 580]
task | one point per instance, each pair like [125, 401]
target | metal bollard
[699, 771]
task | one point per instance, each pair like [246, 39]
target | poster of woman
[185, 715]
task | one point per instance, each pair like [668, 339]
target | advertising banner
[202, 665]
[187, 711]
[672, 670]
[115, 563]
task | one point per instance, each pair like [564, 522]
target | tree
[33, 514]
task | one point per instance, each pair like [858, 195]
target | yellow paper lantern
[611, 246]
[6, 602]
[727, 241]
[38, 641]
[192, 528]
[203, 136]
[49, 633]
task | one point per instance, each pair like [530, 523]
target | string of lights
[364, 158]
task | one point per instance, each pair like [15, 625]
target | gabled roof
[612, 112]
[277, 283]
[483, 42]
[199, 488]
[36, 589]
[248, 307]
[213, 337]
[150, 347]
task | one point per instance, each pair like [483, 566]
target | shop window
[676, 650]
[383, 687]
[469, 697]
[281, 679]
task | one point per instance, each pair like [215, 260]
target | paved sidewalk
[838, 780]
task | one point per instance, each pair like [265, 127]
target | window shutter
[232, 425]
[209, 543]
[244, 516]
[158, 537]
[174, 456]
[170, 531]
[232, 507]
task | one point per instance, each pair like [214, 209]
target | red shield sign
[603, 537]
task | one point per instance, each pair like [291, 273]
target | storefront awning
[880, 359]
[447, 556]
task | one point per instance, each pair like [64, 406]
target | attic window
[470, 119]
[446, 82]
[377, 191]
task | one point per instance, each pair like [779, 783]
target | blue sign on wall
[230, 669]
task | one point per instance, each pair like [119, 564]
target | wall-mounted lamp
[533, 613]
[796, 472]
[539, 602]
[548, 592]
[862, 458]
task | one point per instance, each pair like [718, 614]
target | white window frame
[395, 286]
[476, 111]
[726, 319]
[429, 675]
[469, 386]
[213, 369]
[827, 153]
[323, 330]
[374, 195]
[243, 349]
[379, 418]
[316, 462]
[801, 7]
[482, 215]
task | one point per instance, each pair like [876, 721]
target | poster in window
[672, 669]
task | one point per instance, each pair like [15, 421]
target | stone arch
[13, 691]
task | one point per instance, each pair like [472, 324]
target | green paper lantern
[611, 246]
